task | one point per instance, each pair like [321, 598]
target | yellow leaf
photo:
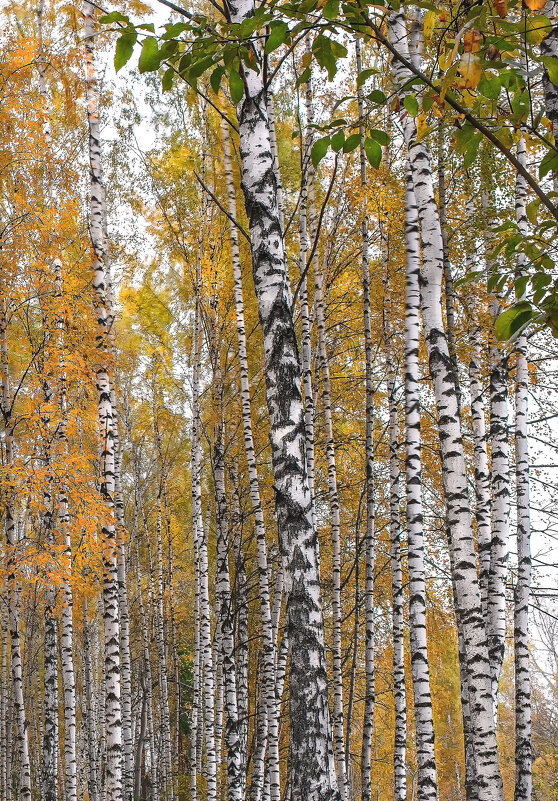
[470, 69]
[446, 59]
[429, 23]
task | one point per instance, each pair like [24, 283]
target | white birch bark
[523, 745]
[147, 683]
[275, 155]
[5, 768]
[165, 772]
[240, 599]
[12, 582]
[499, 487]
[51, 674]
[90, 717]
[196, 714]
[197, 529]
[462, 550]
[200, 534]
[370, 539]
[482, 471]
[500, 509]
[67, 635]
[305, 230]
[312, 769]
[427, 781]
[97, 214]
[549, 48]
[334, 509]
[268, 679]
[49, 766]
[225, 610]
[399, 695]
[165, 781]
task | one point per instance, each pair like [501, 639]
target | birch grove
[278, 320]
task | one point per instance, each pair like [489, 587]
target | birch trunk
[197, 527]
[306, 328]
[549, 48]
[90, 721]
[448, 278]
[400, 733]
[67, 638]
[225, 610]
[312, 768]
[269, 653]
[242, 635]
[200, 535]
[523, 746]
[97, 214]
[50, 748]
[482, 472]
[500, 510]
[196, 716]
[49, 777]
[468, 603]
[369, 539]
[499, 483]
[427, 782]
[12, 582]
[165, 781]
[338, 711]
[5, 768]
[147, 683]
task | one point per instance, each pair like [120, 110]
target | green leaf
[380, 136]
[351, 143]
[114, 16]
[124, 49]
[236, 85]
[278, 36]
[331, 9]
[462, 137]
[551, 65]
[471, 150]
[319, 149]
[549, 162]
[303, 77]
[521, 286]
[199, 67]
[185, 62]
[327, 53]
[149, 58]
[174, 29]
[215, 78]
[532, 210]
[168, 49]
[168, 78]
[505, 136]
[490, 86]
[337, 141]
[411, 104]
[492, 281]
[364, 75]
[510, 321]
[378, 97]
[147, 26]
[373, 152]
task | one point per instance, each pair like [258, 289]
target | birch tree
[106, 425]
[462, 551]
